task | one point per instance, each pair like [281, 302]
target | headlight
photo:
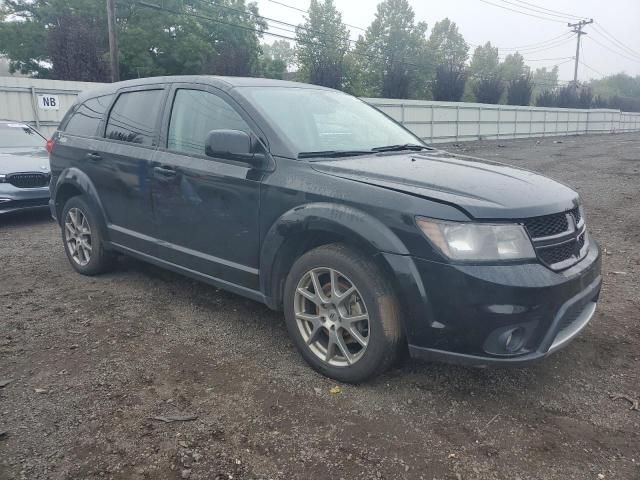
[3, 178]
[478, 241]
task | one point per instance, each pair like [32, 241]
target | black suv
[313, 202]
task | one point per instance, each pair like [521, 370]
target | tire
[315, 322]
[89, 256]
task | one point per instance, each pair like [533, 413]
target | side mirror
[232, 145]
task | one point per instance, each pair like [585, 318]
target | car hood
[23, 159]
[483, 189]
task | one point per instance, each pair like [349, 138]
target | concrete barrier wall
[432, 121]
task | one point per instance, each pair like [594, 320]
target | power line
[592, 69]
[521, 12]
[307, 12]
[566, 35]
[544, 48]
[601, 30]
[536, 10]
[564, 15]
[614, 51]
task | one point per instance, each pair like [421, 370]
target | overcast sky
[480, 22]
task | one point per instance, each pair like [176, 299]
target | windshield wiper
[334, 153]
[398, 148]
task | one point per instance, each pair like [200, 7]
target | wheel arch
[73, 182]
[309, 226]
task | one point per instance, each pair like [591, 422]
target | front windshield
[315, 120]
[19, 135]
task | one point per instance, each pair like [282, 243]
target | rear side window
[85, 120]
[133, 117]
[194, 114]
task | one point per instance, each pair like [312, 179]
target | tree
[544, 80]
[485, 62]
[392, 54]
[448, 44]
[323, 41]
[276, 59]
[519, 90]
[513, 67]
[619, 84]
[450, 52]
[546, 98]
[449, 83]
[486, 74]
[67, 39]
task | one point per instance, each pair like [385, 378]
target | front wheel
[342, 313]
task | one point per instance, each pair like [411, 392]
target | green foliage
[546, 98]
[544, 80]
[67, 39]
[485, 62]
[569, 96]
[513, 67]
[323, 41]
[450, 52]
[275, 59]
[392, 55]
[620, 84]
[487, 84]
[488, 90]
[449, 83]
[448, 45]
[519, 90]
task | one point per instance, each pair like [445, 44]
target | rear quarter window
[134, 116]
[87, 117]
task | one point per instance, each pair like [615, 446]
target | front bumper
[494, 315]
[14, 199]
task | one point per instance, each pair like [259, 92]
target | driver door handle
[165, 171]
[94, 156]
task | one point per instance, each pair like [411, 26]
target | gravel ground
[92, 360]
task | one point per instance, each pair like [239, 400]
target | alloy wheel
[331, 316]
[77, 234]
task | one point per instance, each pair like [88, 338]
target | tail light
[50, 145]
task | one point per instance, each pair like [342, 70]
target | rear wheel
[83, 239]
[342, 313]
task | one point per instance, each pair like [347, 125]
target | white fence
[450, 121]
[29, 100]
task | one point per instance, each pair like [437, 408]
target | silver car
[24, 168]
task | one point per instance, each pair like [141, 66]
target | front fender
[344, 221]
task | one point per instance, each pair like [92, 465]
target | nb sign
[48, 102]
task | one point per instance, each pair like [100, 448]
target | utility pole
[577, 28]
[113, 40]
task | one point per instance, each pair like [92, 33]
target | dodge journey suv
[315, 203]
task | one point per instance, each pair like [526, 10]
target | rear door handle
[165, 171]
[94, 156]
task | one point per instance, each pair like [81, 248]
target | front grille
[566, 247]
[549, 225]
[28, 180]
[563, 252]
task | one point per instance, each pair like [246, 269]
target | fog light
[514, 339]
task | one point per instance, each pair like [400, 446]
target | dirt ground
[92, 360]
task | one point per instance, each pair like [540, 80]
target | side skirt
[216, 282]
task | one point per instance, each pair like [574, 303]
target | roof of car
[225, 83]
